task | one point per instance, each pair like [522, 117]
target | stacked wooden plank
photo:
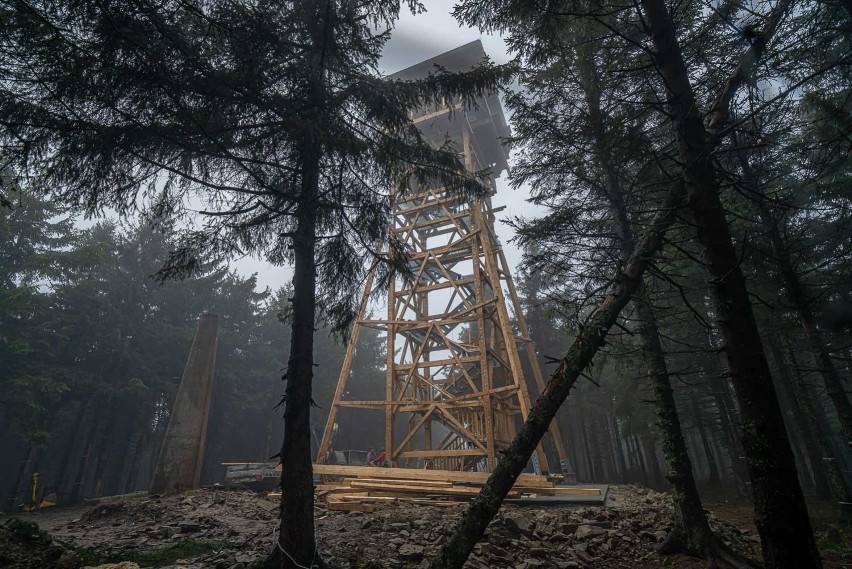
[357, 488]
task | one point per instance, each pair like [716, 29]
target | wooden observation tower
[459, 353]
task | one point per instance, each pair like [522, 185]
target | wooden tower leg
[455, 380]
[324, 448]
[555, 430]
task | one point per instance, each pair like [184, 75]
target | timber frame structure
[457, 364]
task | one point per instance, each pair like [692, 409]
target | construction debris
[355, 488]
[229, 529]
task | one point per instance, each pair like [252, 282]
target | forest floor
[230, 529]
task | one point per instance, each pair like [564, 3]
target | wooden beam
[409, 482]
[441, 453]
[350, 507]
[530, 480]
[560, 491]
[449, 491]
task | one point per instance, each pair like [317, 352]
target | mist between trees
[98, 348]
[693, 260]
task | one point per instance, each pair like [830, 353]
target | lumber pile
[359, 488]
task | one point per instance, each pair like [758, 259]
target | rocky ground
[227, 529]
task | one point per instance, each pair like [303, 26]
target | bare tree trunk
[296, 541]
[487, 503]
[587, 453]
[712, 465]
[602, 436]
[725, 404]
[691, 531]
[640, 460]
[619, 450]
[828, 460]
[781, 515]
[805, 422]
[828, 370]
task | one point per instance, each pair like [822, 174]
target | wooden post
[182, 453]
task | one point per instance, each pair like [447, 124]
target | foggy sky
[414, 39]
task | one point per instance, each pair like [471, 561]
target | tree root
[705, 545]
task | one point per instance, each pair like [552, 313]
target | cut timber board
[359, 498]
[452, 491]
[349, 507]
[406, 482]
[525, 480]
[559, 491]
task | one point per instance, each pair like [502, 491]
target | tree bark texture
[691, 532]
[781, 515]
[296, 540]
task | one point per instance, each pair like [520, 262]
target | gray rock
[569, 528]
[586, 531]
[495, 552]
[518, 523]
[411, 552]
[399, 526]
[68, 560]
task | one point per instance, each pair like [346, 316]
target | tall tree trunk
[781, 515]
[804, 420]
[73, 475]
[828, 459]
[725, 404]
[93, 483]
[604, 446]
[640, 460]
[487, 503]
[712, 465]
[691, 531]
[796, 292]
[587, 453]
[296, 541]
[619, 450]
[296, 546]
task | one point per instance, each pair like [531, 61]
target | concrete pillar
[181, 456]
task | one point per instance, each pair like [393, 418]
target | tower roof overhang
[487, 121]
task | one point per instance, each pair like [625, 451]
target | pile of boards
[358, 488]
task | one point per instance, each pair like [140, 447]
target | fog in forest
[582, 269]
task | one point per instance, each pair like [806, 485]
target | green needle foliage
[261, 127]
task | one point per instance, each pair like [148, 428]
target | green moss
[182, 549]
[27, 531]
[84, 554]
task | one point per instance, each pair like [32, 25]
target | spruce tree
[263, 126]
